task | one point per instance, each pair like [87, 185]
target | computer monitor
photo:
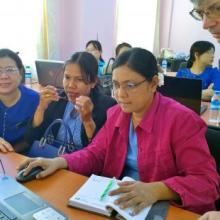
[50, 72]
[186, 91]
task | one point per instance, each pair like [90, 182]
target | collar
[147, 122]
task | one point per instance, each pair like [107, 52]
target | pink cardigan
[171, 148]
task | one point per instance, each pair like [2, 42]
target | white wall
[77, 21]
[82, 20]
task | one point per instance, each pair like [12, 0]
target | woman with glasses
[199, 67]
[17, 103]
[81, 105]
[95, 48]
[149, 137]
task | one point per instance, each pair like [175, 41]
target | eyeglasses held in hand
[9, 70]
[211, 12]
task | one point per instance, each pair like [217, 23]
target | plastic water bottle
[214, 113]
[28, 77]
[164, 66]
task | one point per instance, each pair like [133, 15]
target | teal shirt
[74, 123]
[131, 168]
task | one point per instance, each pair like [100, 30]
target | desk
[58, 188]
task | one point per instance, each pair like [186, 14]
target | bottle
[28, 77]
[164, 66]
[214, 113]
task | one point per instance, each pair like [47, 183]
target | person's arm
[139, 195]
[207, 93]
[196, 178]
[49, 165]
[47, 95]
[91, 158]
[85, 107]
[213, 215]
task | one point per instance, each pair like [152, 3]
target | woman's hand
[208, 93]
[49, 165]
[135, 194]
[213, 215]
[47, 95]
[84, 106]
[5, 146]
[139, 195]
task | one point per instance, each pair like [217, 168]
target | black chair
[175, 65]
[183, 65]
[213, 140]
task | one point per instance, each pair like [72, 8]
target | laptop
[50, 72]
[19, 203]
[186, 91]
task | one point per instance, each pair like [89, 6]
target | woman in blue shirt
[17, 103]
[95, 48]
[199, 67]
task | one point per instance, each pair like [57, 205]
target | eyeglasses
[10, 70]
[211, 12]
[127, 86]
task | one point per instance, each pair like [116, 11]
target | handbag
[50, 147]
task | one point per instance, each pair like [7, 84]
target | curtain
[43, 42]
[48, 43]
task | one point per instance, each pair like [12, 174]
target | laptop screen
[50, 72]
[186, 91]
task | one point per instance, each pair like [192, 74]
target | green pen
[106, 190]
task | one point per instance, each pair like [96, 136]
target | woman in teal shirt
[95, 48]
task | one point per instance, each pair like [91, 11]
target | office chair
[213, 140]
[183, 65]
[175, 65]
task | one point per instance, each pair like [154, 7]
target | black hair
[4, 52]
[119, 46]
[139, 60]
[97, 45]
[199, 47]
[87, 63]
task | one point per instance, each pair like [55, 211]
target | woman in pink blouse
[152, 138]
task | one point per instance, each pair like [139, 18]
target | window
[20, 23]
[136, 22]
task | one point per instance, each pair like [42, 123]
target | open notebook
[88, 197]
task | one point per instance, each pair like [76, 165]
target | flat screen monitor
[186, 91]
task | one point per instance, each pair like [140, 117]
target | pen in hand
[106, 190]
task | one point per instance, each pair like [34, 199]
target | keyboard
[5, 214]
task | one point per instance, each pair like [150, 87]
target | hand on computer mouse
[21, 177]
[48, 166]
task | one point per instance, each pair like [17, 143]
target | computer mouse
[30, 176]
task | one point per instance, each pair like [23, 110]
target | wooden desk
[58, 188]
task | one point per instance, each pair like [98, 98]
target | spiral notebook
[90, 197]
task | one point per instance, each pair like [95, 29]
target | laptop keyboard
[5, 214]
[4, 217]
